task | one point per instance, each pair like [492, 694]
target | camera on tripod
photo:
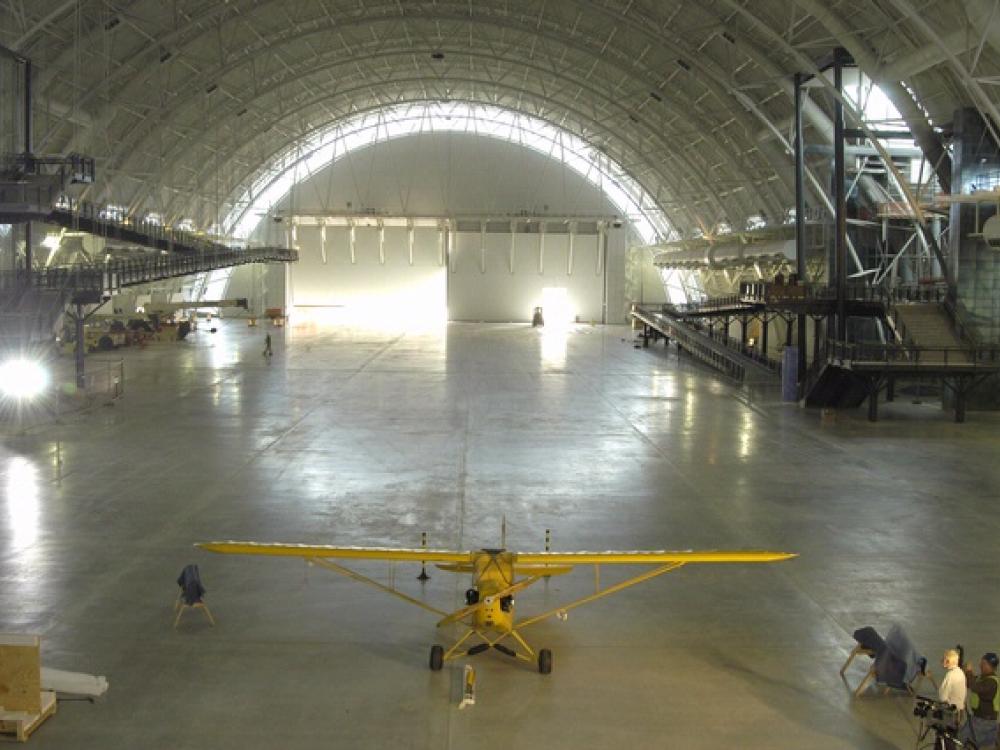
[941, 717]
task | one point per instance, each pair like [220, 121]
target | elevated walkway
[114, 275]
[850, 373]
[723, 354]
[32, 306]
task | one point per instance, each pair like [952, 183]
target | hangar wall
[520, 271]
[445, 175]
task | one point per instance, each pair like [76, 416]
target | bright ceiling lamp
[320, 149]
[23, 379]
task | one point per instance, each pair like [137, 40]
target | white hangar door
[497, 276]
[366, 273]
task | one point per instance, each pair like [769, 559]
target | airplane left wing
[320, 551]
[642, 557]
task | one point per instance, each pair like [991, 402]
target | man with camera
[953, 686]
[984, 702]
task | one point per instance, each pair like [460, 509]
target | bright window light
[308, 156]
[557, 310]
[23, 378]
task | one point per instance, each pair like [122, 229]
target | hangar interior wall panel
[371, 280]
[498, 295]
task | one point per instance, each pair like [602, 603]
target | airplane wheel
[437, 658]
[545, 661]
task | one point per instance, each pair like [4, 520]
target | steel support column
[840, 197]
[800, 224]
[28, 145]
[81, 379]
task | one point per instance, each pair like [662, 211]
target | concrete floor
[354, 437]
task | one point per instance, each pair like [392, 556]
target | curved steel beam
[268, 125]
[134, 151]
[730, 157]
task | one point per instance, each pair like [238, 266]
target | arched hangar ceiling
[183, 101]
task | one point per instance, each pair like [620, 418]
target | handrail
[728, 341]
[764, 291]
[957, 313]
[114, 274]
[943, 356]
[711, 349]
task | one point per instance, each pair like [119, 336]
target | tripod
[944, 739]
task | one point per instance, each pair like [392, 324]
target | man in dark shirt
[984, 702]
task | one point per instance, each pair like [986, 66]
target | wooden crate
[22, 724]
[20, 673]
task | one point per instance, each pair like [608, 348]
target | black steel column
[81, 380]
[800, 223]
[840, 197]
[873, 400]
[27, 107]
[28, 254]
[763, 342]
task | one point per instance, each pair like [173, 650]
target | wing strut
[601, 593]
[354, 575]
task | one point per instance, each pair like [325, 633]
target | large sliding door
[503, 276]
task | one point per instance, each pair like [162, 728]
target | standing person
[267, 346]
[952, 689]
[984, 702]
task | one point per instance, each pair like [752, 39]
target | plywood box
[20, 673]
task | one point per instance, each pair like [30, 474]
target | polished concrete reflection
[360, 437]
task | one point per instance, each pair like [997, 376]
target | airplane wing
[320, 551]
[642, 557]
[665, 562]
[324, 555]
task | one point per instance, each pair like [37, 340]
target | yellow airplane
[497, 575]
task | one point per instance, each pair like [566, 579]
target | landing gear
[437, 658]
[545, 661]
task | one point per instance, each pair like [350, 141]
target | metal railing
[119, 273]
[721, 352]
[711, 304]
[959, 316]
[765, 291]
[964, 357]
[736, 345]
[730, 342]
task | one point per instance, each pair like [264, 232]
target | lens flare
[22, 378]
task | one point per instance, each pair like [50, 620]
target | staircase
[836, 387]
[927, 325]
[30, 316]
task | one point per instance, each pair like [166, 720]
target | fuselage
[493, 572]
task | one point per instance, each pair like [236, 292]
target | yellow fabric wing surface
[641, 557]
[522, 559]
[343, 553]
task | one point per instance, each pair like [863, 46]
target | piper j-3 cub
[497, 575]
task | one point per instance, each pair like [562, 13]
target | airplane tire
[545, 661]
[437, 658]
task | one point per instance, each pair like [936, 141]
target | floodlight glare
[22, 378]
